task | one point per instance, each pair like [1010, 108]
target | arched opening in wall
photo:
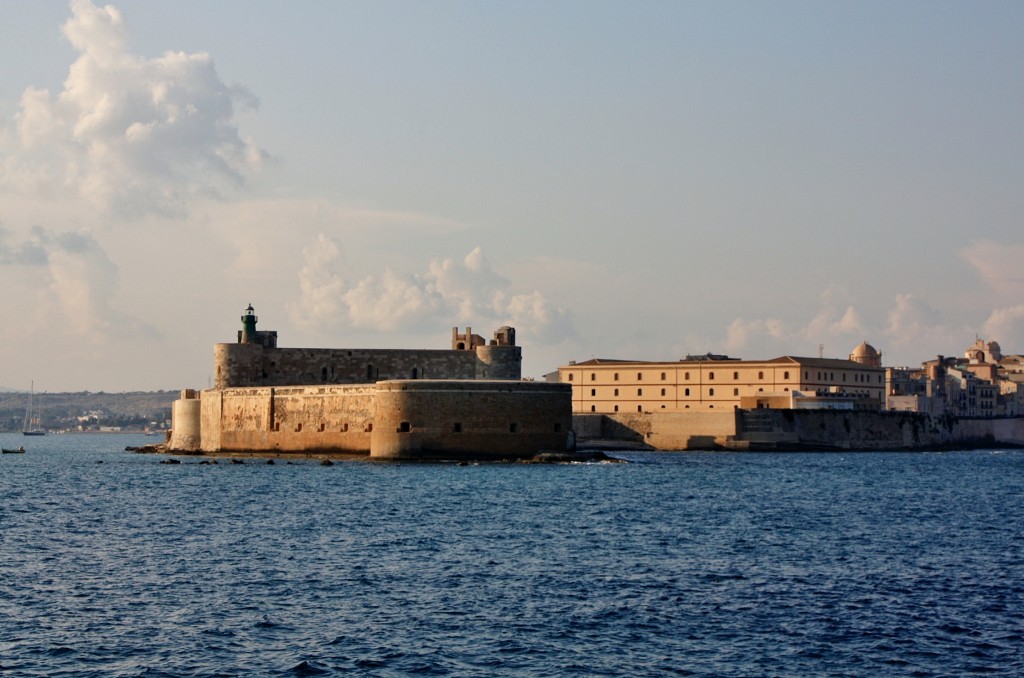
[461, 346]
[404, 427]
[639, 408]
[616, 408]
[593, 408]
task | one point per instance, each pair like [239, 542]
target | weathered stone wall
[801, 429]
[479, 419]
[498, 362]
[253, 365]
[186, 435]
[290, 419]
[394, 419]
[243, 365]
[661, 430]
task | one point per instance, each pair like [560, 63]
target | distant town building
[982, 384]
[714, 382]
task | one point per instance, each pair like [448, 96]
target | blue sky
[615, 179]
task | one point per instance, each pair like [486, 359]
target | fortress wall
[480, 419]
[254, 365]
[237, 365]
[499, 362]
[291, 419]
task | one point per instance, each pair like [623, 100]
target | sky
[633, 180]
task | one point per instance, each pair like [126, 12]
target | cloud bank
[455, 291]
[130, 135]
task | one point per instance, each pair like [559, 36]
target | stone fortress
[468, 401]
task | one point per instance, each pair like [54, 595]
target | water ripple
[679, 564]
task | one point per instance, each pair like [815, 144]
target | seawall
[768, 429]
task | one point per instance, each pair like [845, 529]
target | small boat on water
[20, 450]
[31, 426]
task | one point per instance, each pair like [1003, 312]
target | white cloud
[451, 291]
[71, 282]
[131, 135]
[998, 265]
[1006, 325]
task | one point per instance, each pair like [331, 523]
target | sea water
[704, 564]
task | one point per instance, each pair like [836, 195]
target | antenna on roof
[821, 350]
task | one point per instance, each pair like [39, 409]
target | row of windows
[830, 376]
[404, 427]
[686, 376]
[513, 427]
[686, 392]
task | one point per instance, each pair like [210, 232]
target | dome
[865, 350]
[866, 354]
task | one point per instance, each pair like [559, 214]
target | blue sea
[694, 564]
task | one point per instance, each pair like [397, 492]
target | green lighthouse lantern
[248, 326]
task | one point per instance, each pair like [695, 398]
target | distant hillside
[61, 411]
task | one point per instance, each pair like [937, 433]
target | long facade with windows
[716, 384]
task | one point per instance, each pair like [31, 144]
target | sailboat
[31, 425]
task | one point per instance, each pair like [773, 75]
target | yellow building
[715, 383]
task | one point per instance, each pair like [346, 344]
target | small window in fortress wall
[344, 428]
[298, 427]
[570, 376]
[663, 376]
[593, 408]
[404, 427]
[276, 426]
[369, 428]
[457, 427]
[323, 427]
